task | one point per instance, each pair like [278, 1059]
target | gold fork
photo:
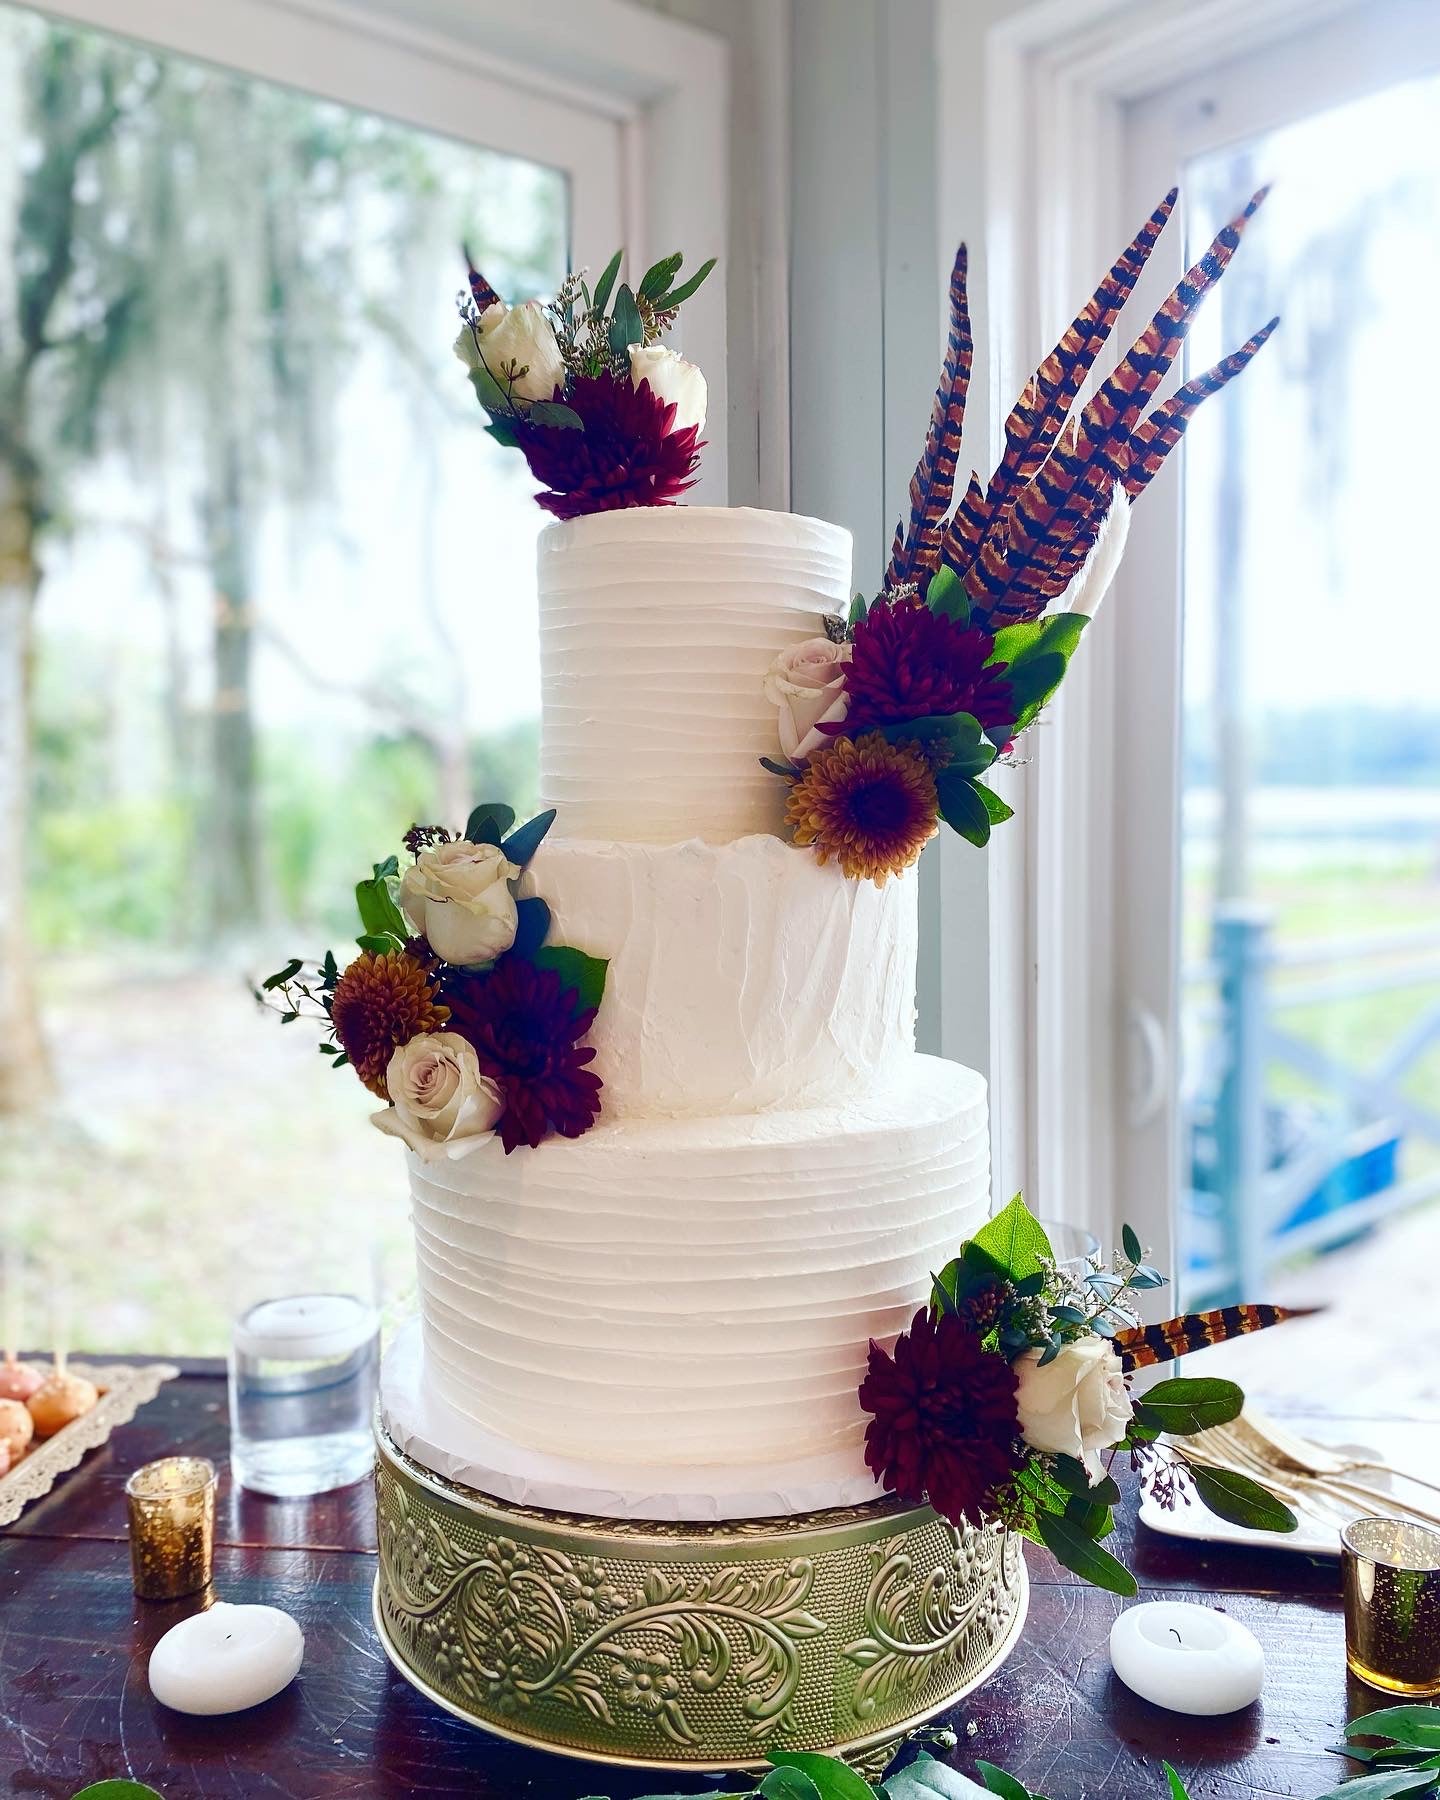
[1226, 1441]
[1287, 1449]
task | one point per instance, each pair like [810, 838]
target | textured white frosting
[695, 1291]
[742, 976]
[657, 625]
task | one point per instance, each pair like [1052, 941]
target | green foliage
[584, 975]
[1014, 1242]
[379, 906]
[946, 595]
[118, 1790]
[489, 822]
[1184, 1406]
[532, 926]
[521, 845]
[626, 325]
[831, 1778]
[1069, 1543]
[1242, 1501]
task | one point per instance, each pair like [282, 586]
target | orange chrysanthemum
[380, 1003]
[867, 804]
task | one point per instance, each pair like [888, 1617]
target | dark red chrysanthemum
[628, 453]
[945, 1426]
[911, 663]
[524, 1026]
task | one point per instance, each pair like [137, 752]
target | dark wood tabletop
[75, 1706]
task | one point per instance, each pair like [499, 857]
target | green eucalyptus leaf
[390, 866]
[118, 1790]
[832, 1779]
[998, 1782]
[1074, 1477]
[555, 414]
[961, 807]
[678, 296]
[1385, 1786]
[605, 285]
[379, 909]
[927, 1777]
[491, 395]
[1082, 1556]
[659, 275]
[859, 607]
[1013, 1242]
[1241, 1500]
[626, 325]
[503, 432]
[281, 976]
[997, 808]
[488, 822]
[1130, 1243]
[1402, 1724]
[521, 845]
[946, 595]
[1183, 1405]
[532, 924]
[583, 974]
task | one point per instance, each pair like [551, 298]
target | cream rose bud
[458, 896]
[807, 683]
[1076, 1405]
[670, 378]
[519, 348]
[440, 1102]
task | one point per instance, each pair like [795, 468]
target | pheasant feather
[916, 550]
[1144, 1346]
[1158, 434]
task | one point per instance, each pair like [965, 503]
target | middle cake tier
[693, 1291]
[742, 976]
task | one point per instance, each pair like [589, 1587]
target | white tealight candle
[226, 1658]
[1187, 1658]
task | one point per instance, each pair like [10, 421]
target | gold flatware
[1329, 1512]
[1240, 1448]
[1289, 1450]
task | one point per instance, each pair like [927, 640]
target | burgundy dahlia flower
[628, 454]
[911, 663]
[525, 1029]
[944, 1427]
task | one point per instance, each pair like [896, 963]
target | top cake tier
[657, 626]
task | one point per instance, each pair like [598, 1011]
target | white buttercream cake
[776, 1171]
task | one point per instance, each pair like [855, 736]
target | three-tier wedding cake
[776, 1171]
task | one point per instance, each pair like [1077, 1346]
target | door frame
[1082, 977]
[553, 84]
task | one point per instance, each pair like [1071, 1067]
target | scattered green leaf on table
[1241, 1500]
[118, 1790]
[926, 1777]
[788, 1784]
[998, 1782]
[1401, 1724]
[1383, 1787]
[1177, 1786]
[833, 1779]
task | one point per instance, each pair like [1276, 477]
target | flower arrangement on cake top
[458, 1012]
[888, 722]
[1009, 1397]
[581, 385]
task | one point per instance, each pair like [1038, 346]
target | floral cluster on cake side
[605, 415]
[458, 1012]
[1009, 1397]
[889, 720]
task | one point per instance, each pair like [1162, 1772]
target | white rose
[670, 378]
[807, 683]
[518, 347]
[441, 1104]
[458, 896]
[1076, 1405]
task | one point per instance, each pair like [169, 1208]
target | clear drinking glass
[303, 1373]
[1075, 1248]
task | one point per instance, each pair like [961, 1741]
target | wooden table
[75, 1707]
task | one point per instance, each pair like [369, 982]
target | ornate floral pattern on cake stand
[687, 1646]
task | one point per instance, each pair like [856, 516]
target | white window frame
[634, 113]
[1081, 990]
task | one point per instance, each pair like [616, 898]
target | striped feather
[1060, 511]
[1157, 435]
[480, 289]
[916, 550]
[1041, 410]
[1144, 1346]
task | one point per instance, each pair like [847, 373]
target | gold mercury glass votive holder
[172, 1526]
[1391, 1571]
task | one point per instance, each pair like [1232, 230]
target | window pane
[284, 607]
[1311, 843]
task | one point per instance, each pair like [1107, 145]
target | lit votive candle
[172, 1526]
[1187, 1658]
[1391, 1571]
[226, 1658]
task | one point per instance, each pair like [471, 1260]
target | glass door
[1301, 901]
[268, 598]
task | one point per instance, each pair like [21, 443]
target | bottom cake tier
[696, 1290]
[687, 1646]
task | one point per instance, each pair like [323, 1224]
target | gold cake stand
[687, 1646]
